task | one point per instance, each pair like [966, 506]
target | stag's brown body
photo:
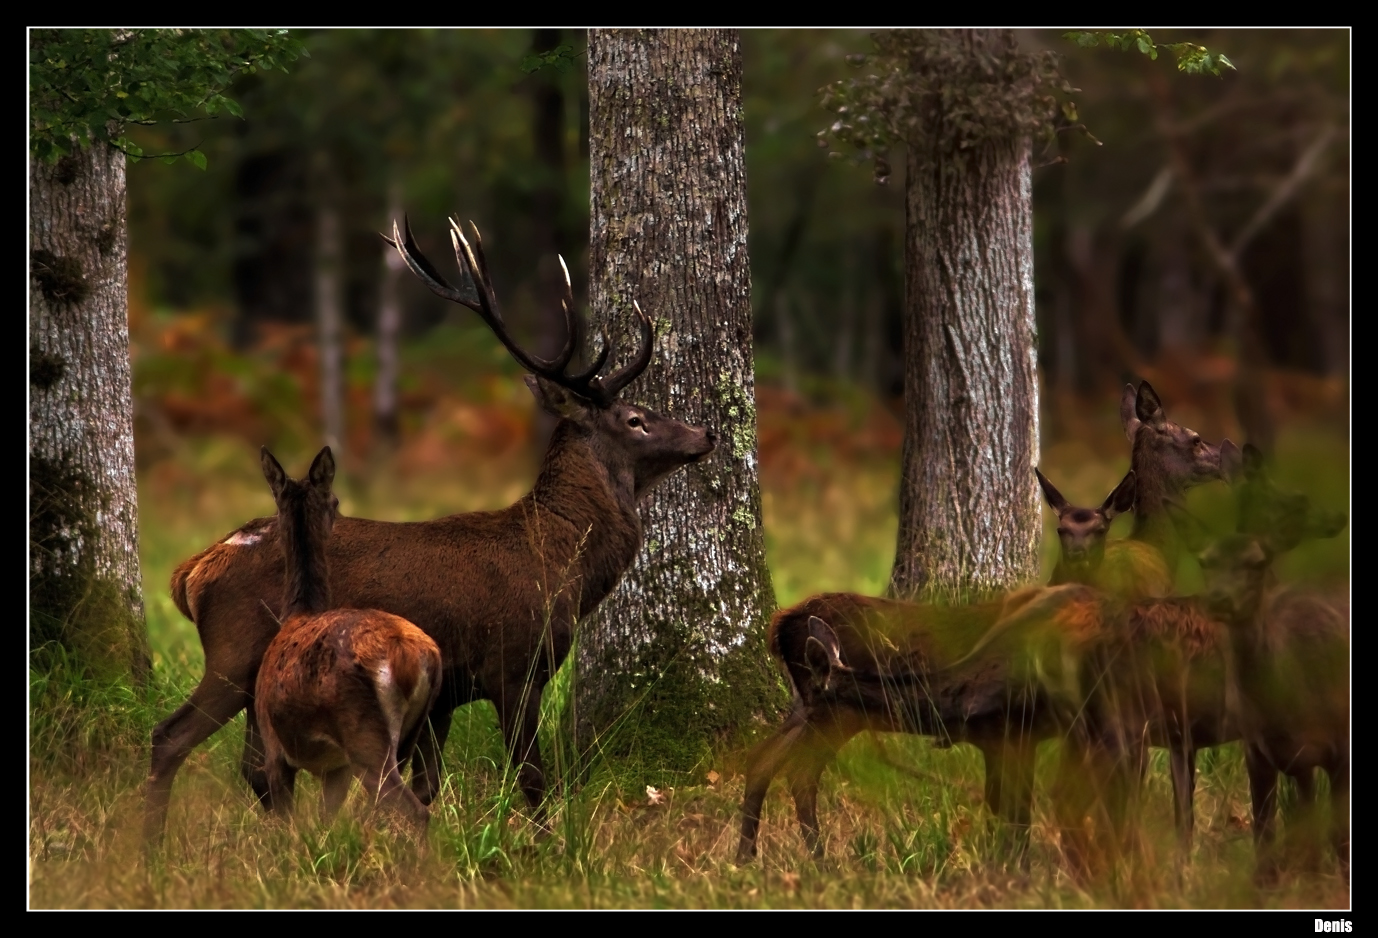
[499, 591]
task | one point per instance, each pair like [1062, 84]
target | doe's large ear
[1122, 499]
[1128, 419]
[1055, 500]
[1147, 407]
[272, 471]
[322, 472]
[558, 401]
[821, 649]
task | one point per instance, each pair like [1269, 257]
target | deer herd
[350, 642]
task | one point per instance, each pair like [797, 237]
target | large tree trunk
[969, 521]
[675, 658]
[85, 592]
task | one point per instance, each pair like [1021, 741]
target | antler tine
[424, 270]
[472, 258]
[586, 376]
[572, 324]
[615, 382]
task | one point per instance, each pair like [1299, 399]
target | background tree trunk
[969, 521]
[328, 321]
[389, 324]
[85, 593]
[675, 658]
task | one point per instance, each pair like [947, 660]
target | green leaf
[198, 159]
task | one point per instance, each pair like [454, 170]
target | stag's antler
[481, 298]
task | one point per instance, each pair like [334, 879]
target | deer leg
[281, 779]
[373, 755]
[251, 761]
[425, 759]
[519, 713]
[1302, 824]
[762, 765]
[1339, 813]
[804, 772]
[1183, 759]
[334, 790]
[214, 702]
[1263, 792]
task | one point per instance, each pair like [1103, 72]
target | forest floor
[903, 821]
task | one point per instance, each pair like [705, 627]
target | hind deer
[341, 692]
[881, 636]
[499, 591]
[1288, 656]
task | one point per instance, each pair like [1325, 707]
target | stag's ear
[322, 472]
[1233, 464]
[273, 472]
[559, 401]
[1128, 419]
[1055, 500]
[1147, 407]
[1122, 499]
[1252, 459]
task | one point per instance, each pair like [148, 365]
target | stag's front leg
[519, 712]
[425, 760]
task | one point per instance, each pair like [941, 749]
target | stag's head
[1082, 531]
[1237, 572]
[638, 446]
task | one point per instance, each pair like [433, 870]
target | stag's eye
[634, 422]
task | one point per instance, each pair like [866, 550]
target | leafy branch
[88, 85]
[1191, 58]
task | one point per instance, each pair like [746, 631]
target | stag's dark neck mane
[308, 577]
[598, 504]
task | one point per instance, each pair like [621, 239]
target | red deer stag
[499, 591]
[341, 692]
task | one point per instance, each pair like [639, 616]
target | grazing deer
[499, 591]
[1288, 663]
[882, 650]
[341, 692]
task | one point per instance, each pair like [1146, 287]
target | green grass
[902, 820]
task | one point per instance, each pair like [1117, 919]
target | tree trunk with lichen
[969, 522]
[674, 660]
[85, 594]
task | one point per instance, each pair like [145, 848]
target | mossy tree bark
[675, 659]
[969, 521]
[85, 594]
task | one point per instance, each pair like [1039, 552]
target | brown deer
[341, 692]
[1288, 658]
[499, 591]
[884, 647]
[880, 636]
[1125, 568]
